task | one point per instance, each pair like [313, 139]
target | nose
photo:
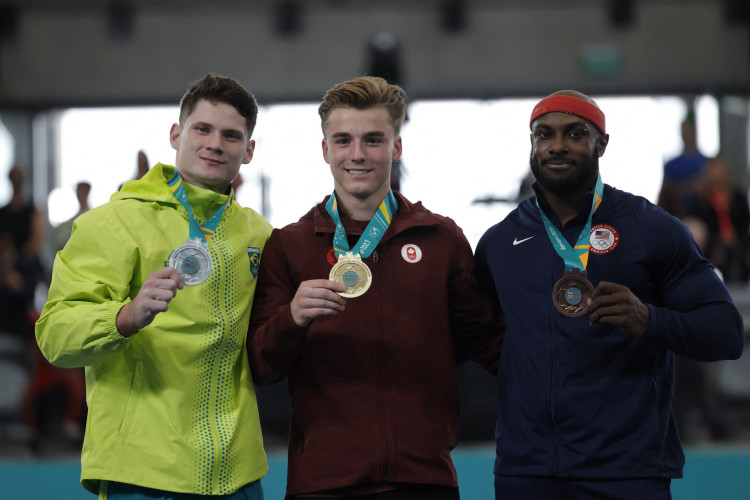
[557, 146]
[215, 143]
[357, 152]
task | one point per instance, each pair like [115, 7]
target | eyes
[575, 134]
[230, 135]
[375, 140]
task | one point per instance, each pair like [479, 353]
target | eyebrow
[223, 130]
[376, 133]
[568, 126]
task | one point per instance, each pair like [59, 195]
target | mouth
[559, 164]
[212, 161]
[357, 171]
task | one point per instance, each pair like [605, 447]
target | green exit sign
[602, 60]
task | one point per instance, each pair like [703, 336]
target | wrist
[123, 322]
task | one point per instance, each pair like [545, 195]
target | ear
[249, 151]
[325, 150]
[397, 148]
[174, 136]
[601, 144]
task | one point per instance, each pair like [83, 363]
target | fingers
[166, 277]
[315, 299]
[161, 287]
[616, 305]
[154, 296]
[605, 288]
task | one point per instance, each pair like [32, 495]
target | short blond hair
[365, 92]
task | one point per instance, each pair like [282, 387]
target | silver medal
[192, 261]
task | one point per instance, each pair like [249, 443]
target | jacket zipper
[382, 413]
[552, 393]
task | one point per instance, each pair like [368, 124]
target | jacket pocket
[132, 401]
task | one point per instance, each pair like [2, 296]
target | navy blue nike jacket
[586, 401]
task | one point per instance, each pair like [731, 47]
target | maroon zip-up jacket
[374, 397]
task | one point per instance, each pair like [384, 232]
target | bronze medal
[572, 293]
[352, 273]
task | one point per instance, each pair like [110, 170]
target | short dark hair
[216, 88]
[365, 92]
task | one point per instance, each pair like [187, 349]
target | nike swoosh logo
[516, 241]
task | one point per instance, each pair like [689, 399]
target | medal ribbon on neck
[578, 256]
[372, 233]
[206, 231]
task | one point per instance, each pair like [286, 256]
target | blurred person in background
[682, 174]
[724, 210]
[21, 218]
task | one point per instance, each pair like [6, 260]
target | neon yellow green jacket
[172, 407]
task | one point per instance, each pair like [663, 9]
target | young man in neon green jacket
[152, 294]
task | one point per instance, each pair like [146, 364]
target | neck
[16, 200]
[358, 208]
[567, 206]
[220, 188]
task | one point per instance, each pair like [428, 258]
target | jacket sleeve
[477, 323]
[696, 317]
[274, 340]
[90, 284]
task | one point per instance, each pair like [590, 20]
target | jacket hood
[151, 187]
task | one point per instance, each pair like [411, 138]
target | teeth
[357, 171]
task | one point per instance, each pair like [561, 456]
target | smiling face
[565, 151]
[360, 145]
[211, 144]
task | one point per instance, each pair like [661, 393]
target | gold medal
[352, 273]
[572, 293]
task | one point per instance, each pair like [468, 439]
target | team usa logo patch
[603, 239]
[411, 253]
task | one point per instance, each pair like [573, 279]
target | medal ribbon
[207, 230]
[578, 256]
[372, 233]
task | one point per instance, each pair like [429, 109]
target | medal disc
[192, 261]
[572, 293]
[353, 274]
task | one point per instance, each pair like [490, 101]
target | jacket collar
[407, 216]
[583, 211]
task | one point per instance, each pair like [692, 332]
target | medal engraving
[192, 261]
[572, 293]
[353, 274]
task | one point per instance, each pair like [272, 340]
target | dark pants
[119, 491]
[526, 488]
[409, 492]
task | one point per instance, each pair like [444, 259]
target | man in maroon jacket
[366, 304]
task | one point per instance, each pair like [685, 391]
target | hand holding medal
[353, 274]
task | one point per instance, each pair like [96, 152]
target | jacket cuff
[650, 332]
[110, 325]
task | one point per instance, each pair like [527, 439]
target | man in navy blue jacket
[600, 290]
